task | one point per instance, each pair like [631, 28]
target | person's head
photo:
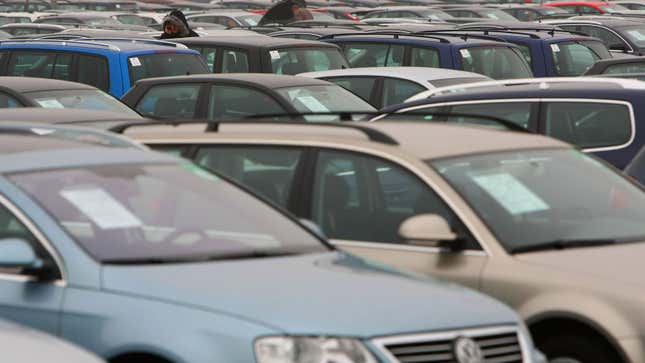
[299, 10]
[175, 24]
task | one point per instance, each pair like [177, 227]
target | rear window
[495, 62]
[300, 60]
[574, 58]
[625, 68]
[164, 65]
[40, 64]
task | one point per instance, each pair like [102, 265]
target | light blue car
[141, 257]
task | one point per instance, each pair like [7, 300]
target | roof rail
[395, 34]
[143, 41]
[466, 33]
[503, 29]
[445, 117]
[213, 126]
[61, 42]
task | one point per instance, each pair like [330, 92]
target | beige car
[527, 219]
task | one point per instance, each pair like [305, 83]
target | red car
[588, 7]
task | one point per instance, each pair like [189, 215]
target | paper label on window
[312, 104]
[636, 34]
[555, 48]
[135, 62]
[465, 53]
[42, 132]
[274, 54]
[50, 103]
[511, 193]
[100, 207]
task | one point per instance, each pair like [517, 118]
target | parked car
[228, 18]
[21, 344]
[139, 255]
[619, 34]
[491, 206]
[111, 65]
[634, 65]
[588, 7]
[214, 97]
[600, 115]
[52, 93]
[550, 53]
[528, 12]
[393, 85]
[262, 54]
[494, 59]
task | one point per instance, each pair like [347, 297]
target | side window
[526, 52]
[610, 39]
[209, 55]
[424, 57]
[63, 67]
[11, 227]
[396, 91]
[93, 70]
[588, 10]
[170, 101]
[267, 171]
[235, 62]
[364, 198]
[360, 86]
[588, 124]
[6, 101]
[517, 112]
[227, 101]
[366, 55]
[630, 67]
[31, 64]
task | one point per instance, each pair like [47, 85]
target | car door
[360, 201]
[22, 298]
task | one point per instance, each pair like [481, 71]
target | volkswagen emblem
[468, 351]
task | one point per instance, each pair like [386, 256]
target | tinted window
[636, 34]
[589, 124]
[607, 37]
[588, 10]
[396, 91]
[235, 62]
[364, 198]
[574, 58]
[228, 101]
[164, 65]
[373, 55]
[424, 57]
[40, 64]
[7, 101]
[516, 112]
[209, 55]
[526, 53]
[267, 171]
[94, 71]
[360, 86]
[495, 62]
[631, 67]
[298, 60]
[170, 101]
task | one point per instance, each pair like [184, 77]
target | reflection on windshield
[162, 213]
[322, 99]
[83, 99]
[537, 197]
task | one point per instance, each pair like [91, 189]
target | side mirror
[427, 229]
[18, 253]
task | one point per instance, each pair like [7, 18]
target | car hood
[321, 294]
[616, 263]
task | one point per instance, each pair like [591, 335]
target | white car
[383, 87]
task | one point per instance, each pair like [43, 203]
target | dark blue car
[112, 65]
[603, 116]
[495, 59]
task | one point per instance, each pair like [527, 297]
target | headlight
[311, 350]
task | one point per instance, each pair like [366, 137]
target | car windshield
[165, 64]
[496, 15]
[249, 20]
[162, 213]
[538, 197]
[83, 99]
[102, 21]
[496, 62]
[293, 61]
[574, 58]
[436, 14]
[322, 99]
[636, 34]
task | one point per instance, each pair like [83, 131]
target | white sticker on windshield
[100, 207]
[50, 103]
[465, 53]
[135, 62]
[274, 54]
[636, 34]
[42, 132]
[312, 104]
[555, 47]
[514, 196]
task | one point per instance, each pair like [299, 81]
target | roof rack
[143, 41]
[395, 34]
[504, 29]
[465, 33]
[60, 42]
[213, 126]
[445, 116]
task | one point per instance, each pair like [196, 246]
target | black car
[621, 66]
[535, 13]
[619, 34]
[263, 54]
[215, 97]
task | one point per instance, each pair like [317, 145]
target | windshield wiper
[196, 259]
[562, 244]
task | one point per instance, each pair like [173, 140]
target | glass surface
[396, 91]
[235, 62]
[435, 14]
[537, 197]
[293, 61]
[424, 57]
[574, 58]
[6, 101]
[636, 168]
[516, 112]
[94, 70]
[249, 20]
[162, 213]
[360, 86]
[636, 34]
[170, 101]
[165, 65]
[101, 21]
[495, 14]
[81, 99]
[228, 101]
[322, 99]
[495, 62]
[374, 55]
[625, 68]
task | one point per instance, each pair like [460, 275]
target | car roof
[425, 140]
[125, 45]
[259, 41]
[63, 115]
[423, 74]
[265, 79]
[31, 84]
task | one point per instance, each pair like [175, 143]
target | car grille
[498, 345]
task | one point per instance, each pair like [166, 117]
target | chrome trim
[381, 342]
[632, 117]
[400, 247]
[22, 217]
